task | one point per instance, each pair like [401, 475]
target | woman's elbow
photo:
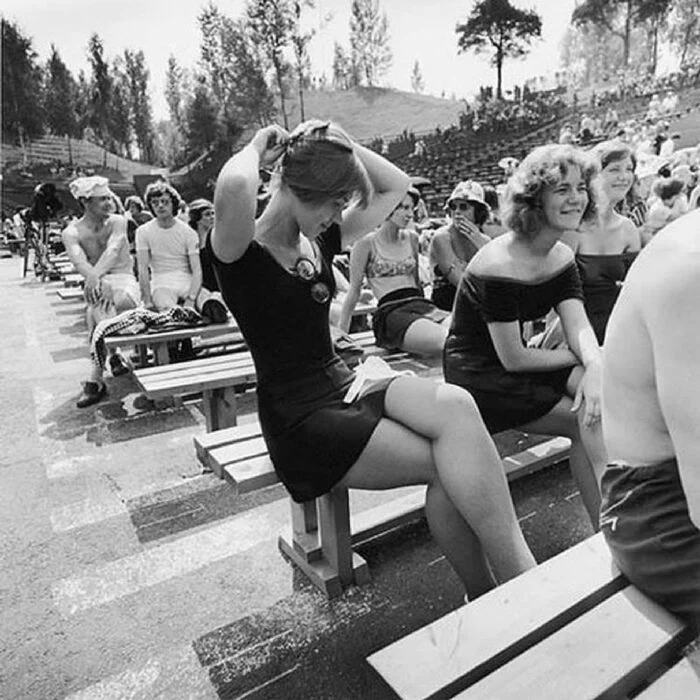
[513, 362]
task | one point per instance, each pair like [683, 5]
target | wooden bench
[218, 378]
[70, 293]
[322, 534]
[73, 280]
[158, 342]
[573, 627]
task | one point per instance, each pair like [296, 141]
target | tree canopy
[499, 28]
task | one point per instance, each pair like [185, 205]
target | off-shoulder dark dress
[602, 277]
[313, 437]
[505, 399]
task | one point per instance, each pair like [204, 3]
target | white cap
[93, 186]
[470, 191]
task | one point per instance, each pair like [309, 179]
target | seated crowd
[514, 291]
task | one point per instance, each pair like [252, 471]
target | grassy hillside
[370, 112]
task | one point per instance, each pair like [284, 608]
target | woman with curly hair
[519, 277]
[274, 272]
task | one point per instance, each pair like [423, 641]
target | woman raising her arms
[275, 275]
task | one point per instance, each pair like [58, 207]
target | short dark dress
[313, 437]
[505, 399]
[602, 277]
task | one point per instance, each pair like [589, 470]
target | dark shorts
[397, 311]
[644, 517]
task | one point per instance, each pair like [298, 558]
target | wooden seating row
[322, 534]
[573, 627]
[216, 378]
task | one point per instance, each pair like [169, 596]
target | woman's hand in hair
[270, 142]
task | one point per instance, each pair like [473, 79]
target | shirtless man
[97, 246]
[651, 421]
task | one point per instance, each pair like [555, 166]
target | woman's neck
[542, 243]
[276, 225]
[389, 232]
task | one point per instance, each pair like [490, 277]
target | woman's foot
[92, 393]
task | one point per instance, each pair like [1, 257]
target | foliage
[140, 102]
[682, 30]
[100, 90]
[201, 121]
[369, 41]
[119, 111]
[496, 26]
[271, 23]
[345, 74]
[417, 84]
[22, 116]
[60, 95]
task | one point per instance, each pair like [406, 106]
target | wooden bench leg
[321, 545]
[161, 355]
[220, 408]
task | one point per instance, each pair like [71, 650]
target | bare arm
[235, 196]
[632, 236]
[143, 261]
[358, 262]
[675, 338]
[196, 284]
[390, 186]
[443, 257]
[117, 239]
[515, 357]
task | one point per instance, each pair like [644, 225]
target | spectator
[97, 246]
[663, 211]
[455, 244]
[515, 279]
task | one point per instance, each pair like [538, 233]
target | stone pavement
[128, 573]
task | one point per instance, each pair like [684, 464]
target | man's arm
[672, 315]
[76, 254]
[117, 239]
[143, 261]
[196, 285]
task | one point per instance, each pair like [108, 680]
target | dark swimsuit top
[482, 300]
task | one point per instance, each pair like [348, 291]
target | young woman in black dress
[275, 275]
[519, 277]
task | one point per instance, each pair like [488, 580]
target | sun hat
[200, 204]
[468, 190]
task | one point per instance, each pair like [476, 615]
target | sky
[422, 30]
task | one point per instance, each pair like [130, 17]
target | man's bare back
[651, 365]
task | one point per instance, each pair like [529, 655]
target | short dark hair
[668, 187]
[613, 151]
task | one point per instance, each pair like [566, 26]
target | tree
[60, 97]
[369, 41]
[345, 74]
[496, 26]
[140, 102]
[617, 16]
[271, 23]
[119, 111]
[22, 117]
[300, 41]
[201, 119]
[174, 90]
[100, 90]
[417, 84]
[683, 30]
[653, 14]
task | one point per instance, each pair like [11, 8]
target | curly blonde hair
[544, 167]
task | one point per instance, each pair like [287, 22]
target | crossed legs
[433, 434]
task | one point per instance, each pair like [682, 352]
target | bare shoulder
[561, 255]
[492, 258]
[572, 238]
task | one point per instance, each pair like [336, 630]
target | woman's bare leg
[434, 434]
[561, 421]
[425, 337]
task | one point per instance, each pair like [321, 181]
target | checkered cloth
[137, 321]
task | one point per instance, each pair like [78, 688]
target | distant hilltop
[366, 113]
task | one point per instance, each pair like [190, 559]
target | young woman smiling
[519, 277]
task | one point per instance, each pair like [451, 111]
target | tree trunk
[499, 72]
[628, 31]
[280, 85]
[301, 96]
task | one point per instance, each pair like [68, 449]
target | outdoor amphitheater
[152, 545]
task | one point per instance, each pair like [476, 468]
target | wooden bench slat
[638, 636]
[681, 681]
[209, 330]
[252, 474]
[465, 645]
[215, 380]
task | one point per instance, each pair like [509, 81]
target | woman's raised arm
[390, 186]
[235, 196]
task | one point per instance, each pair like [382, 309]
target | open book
[371, 375]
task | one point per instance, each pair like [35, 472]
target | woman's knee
[456, 404]
[124, 302]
